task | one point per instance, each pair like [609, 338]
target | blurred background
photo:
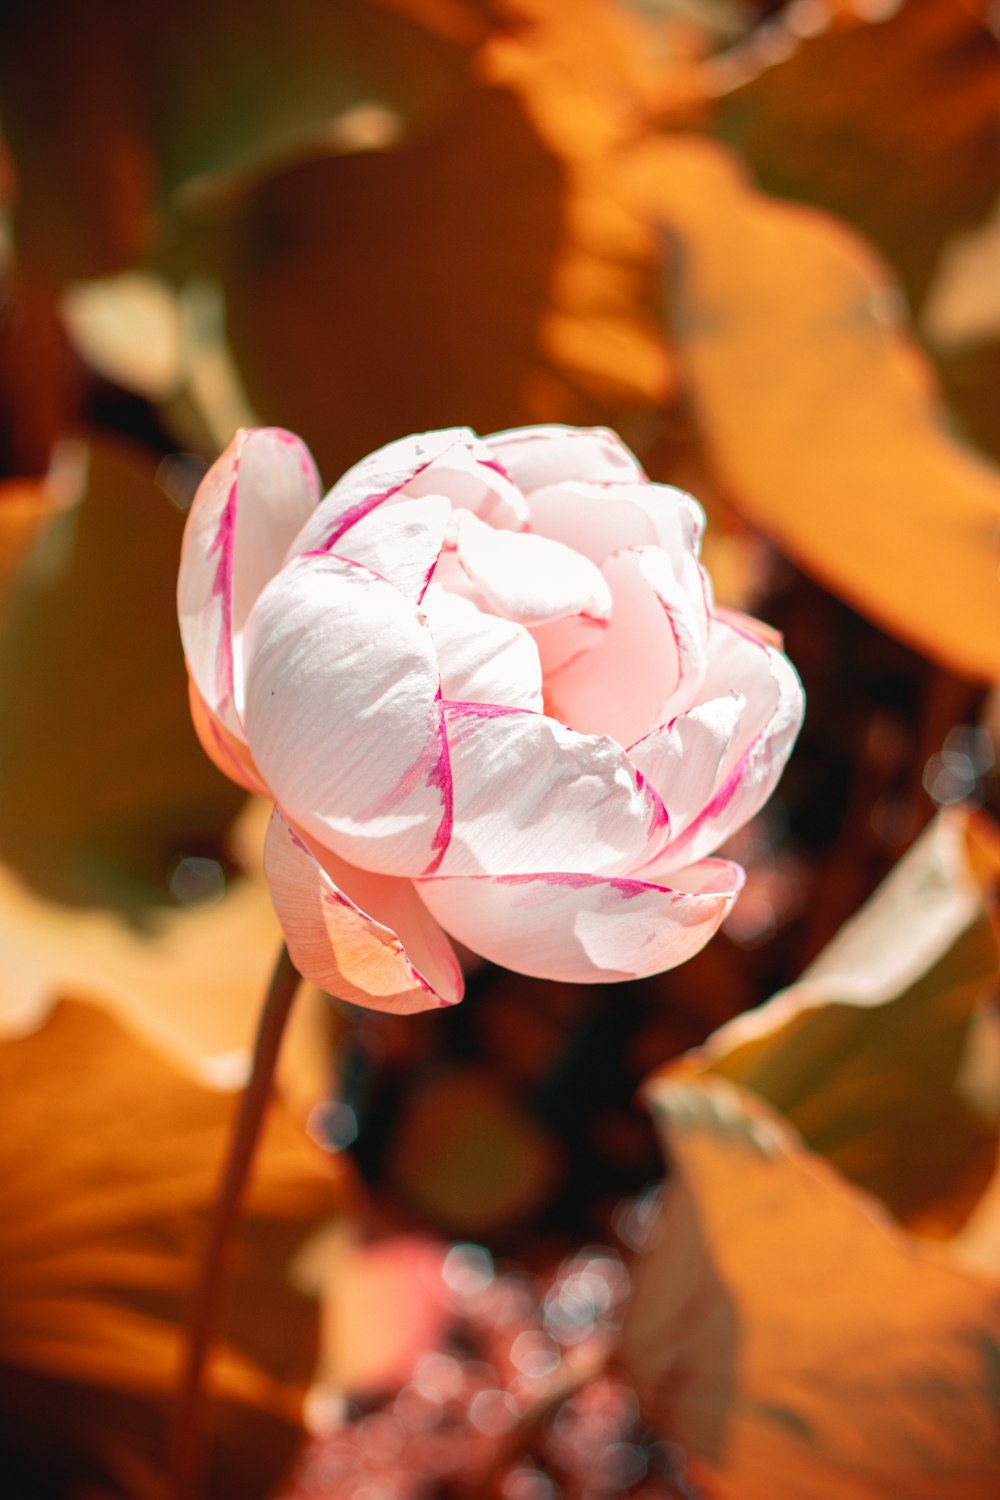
[762, 242]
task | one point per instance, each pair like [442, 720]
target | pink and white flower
[486, 685]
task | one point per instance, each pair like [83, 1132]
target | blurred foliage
[792, 1342]
[109, 1162]
[759, 239]
[880, 1053]
[105, 785]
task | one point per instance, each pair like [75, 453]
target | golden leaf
[817, 411]
[109, 1160]
[790, 1338]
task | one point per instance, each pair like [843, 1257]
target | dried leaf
[790, 1339]
[109, 1160]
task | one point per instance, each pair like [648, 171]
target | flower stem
[188, 1432]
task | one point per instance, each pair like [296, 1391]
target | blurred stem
[187, 1454]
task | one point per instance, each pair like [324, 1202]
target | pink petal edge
[343, 946]
[582, 928]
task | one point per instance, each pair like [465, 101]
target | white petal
[362, 937]
[473, 480]
[684, 760]
[402, 543]
[649, 664]
[249, 506]
[379, 478]
[528, 578]
[599, 519]
[581, 929]
[536, 456]
[452, 462]
[342, 715]
[740, 661]
[530, 793]
[482, 658]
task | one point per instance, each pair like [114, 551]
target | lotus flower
[487, 688]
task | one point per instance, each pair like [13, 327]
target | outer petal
[599, 519]
[530, 579]
[530, 793]
[740, 660]
[482, 658]
[249, 506]
[453, 462]
[684, 760]
[343, 715]
[362, 937]
[649, 664]
[536, 456]
[228, 751]
[581, 928]
[401, 543]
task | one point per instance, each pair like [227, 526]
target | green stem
[188, 1433]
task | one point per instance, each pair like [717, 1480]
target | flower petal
[599, 519]
[649, 664]
[401, 543]
[684, 759]
[453, 462]
[362, 937]
[581, 928]
[561, 642]
[529, 578]
[343, 714]
[739, 660]
[536, 456]
[472, 479]
[249, 506]
[482, 658]
[530, 793]
[228, 751]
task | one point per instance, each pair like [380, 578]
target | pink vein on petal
[661, 818]
[727, 791]
[722, 798]
[364, 507]
[427, 578]
[575, 881]
[222, 588]
[440, 778]
[484, 710]
[496, 466]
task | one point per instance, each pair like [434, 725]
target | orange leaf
[108, 1161]
[190, 982]
[791, 1340]
[891, 125]
[879, 1053]
[818, 412]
